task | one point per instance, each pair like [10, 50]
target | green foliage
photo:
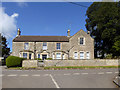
[13, 61]
[108, 56]
[5, 49]
[49, 59]
[38, 59]
[104, 23]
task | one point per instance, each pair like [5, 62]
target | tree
[5, 49]
[103, 20]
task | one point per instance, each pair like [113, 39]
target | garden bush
[13, 61]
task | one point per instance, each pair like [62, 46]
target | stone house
[78, 46]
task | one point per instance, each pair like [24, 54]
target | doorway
[44, 56]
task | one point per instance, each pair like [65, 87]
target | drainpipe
[34, 50]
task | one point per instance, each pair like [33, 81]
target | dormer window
[82, 41]
[26, 46]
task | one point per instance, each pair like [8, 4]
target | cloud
[8, 25]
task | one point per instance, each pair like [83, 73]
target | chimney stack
[68, 32]
[18, 32]
[88, 32]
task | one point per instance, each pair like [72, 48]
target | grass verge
[64, 67]
[79, 67]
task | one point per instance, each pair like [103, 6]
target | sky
[42, 18]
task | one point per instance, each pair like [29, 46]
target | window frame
[83, 55]
[89, 55]
[24, 55]
[26, 44]
[58, 46]
[74, 55]
[44, 46]
[57, 57]
[79, 40]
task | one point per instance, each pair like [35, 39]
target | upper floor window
[58, 46]
[38, 55]
[81, 41]
[26, 47]
[44, 46]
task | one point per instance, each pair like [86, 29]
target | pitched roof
[41, 39]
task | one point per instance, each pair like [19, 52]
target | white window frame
[83, 55]
[26, 46]
[59, 56]
[87, 57]
[59, 46]
[44, 45]
[76, 56]
[24, 55]
[83, 41]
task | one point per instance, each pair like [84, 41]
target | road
[78, 78]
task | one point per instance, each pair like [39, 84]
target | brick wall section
[95, 62]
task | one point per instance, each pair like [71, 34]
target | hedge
[13, 61]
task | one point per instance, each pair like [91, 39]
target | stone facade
[71, 49]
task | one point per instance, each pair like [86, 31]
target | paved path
[89, 78]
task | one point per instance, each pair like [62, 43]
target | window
[75, 55]
[81, 41]
[38, 55]
[87, 55]
[58, 55]
[81, 55]
[26, 46]
[24, 55]
[44, 46]
[58, 46]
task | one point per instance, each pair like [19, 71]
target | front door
[44, 56]
[29, 56]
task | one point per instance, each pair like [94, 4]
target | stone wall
[30, 63]
[95, 62]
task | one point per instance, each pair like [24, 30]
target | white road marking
[54, 81]
[24, 75]
[11, 75]
[76, 74]
[67, 74]
[1, 75]
[46, 75]
[108, 72]
[116, 72]
[36, 75]
[84, 73]
[101, 73]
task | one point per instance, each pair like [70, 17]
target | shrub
[13, 61]
[38, 59]
[108, 56]
[49, 59]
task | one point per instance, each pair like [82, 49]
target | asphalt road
[88, 78]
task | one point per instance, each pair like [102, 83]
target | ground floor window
[75, 55]
[81, 55]
[24, 55]
[87, 55]
[58, 55]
